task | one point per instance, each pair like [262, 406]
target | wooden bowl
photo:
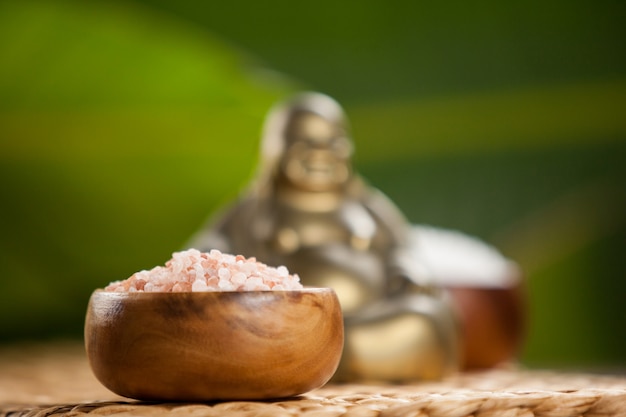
[493, 322]
[200, 346]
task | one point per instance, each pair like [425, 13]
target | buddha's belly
[358, 277]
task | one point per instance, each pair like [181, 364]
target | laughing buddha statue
[308, 210]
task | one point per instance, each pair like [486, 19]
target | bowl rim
[187, 293]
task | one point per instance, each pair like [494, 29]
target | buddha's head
[307, 145]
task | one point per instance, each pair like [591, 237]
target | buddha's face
[317, 153]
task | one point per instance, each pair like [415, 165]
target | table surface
[55, 379]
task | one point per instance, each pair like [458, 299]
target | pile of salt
[193, 271]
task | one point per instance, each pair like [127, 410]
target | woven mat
[55, 380]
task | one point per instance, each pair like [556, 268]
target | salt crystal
[225, 285]
[199, 285]
[238, 278]
[248, 267]
[224, 273]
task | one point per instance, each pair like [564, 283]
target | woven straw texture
[55, 380]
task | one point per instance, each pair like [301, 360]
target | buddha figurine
[308, 210]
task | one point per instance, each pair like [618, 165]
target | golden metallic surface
[309, 211]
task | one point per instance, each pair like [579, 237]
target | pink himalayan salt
[192, 270]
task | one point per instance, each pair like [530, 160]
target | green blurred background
[123, 125]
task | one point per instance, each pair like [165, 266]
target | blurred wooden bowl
[493, 323]
[200, 346]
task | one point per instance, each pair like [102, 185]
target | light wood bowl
[201, 346]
